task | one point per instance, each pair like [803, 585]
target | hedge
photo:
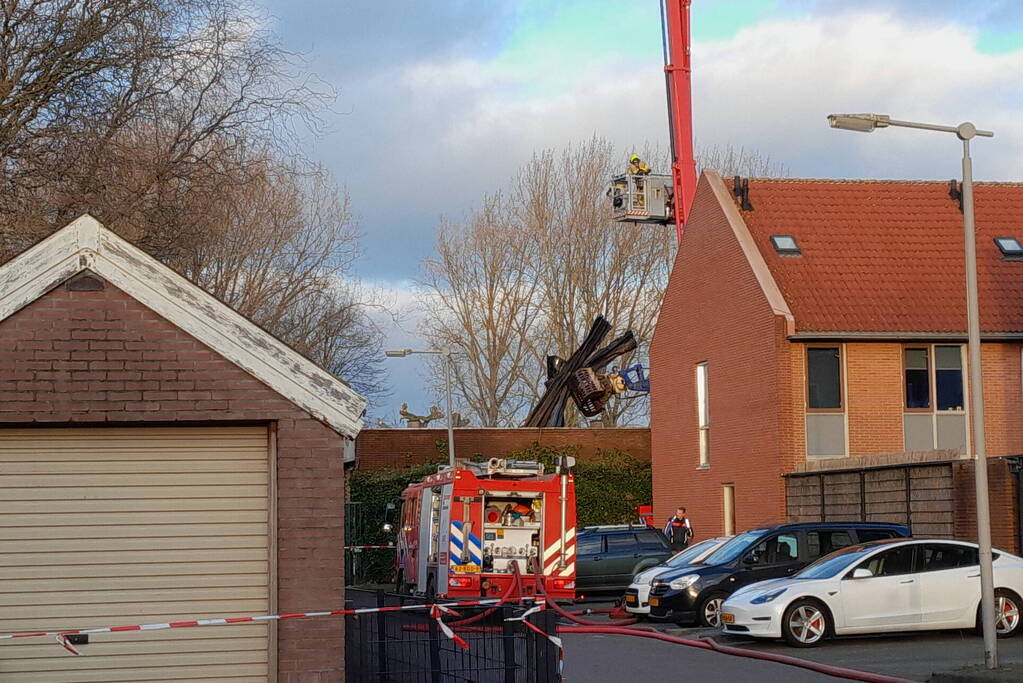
[608, 488]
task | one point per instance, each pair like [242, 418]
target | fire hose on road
[628, 628]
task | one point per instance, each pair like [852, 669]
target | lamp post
[448, 361]
[964, 131]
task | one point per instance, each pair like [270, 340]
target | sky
[441, 102]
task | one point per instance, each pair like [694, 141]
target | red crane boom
[678, 79]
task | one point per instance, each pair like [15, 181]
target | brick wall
[714, 311]
[1001, 503]
[99, 357]
[874, 398]
[378, 448]
[1003, 398]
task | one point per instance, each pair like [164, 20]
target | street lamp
[964, 131]
[448, 361]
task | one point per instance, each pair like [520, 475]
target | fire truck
[466, 530]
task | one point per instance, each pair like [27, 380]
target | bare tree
[731, 161]
[526, 276]
[85, 83]
[279, 249]
[480, 298]
[589, 265]
[172, 121]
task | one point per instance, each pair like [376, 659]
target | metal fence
[409, 647]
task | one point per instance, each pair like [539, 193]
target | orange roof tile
[887, 256]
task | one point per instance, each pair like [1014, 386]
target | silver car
[638, 593]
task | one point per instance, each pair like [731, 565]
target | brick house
[161, 458]
[809, 361]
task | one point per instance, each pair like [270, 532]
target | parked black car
[696, 592]
[607, 557]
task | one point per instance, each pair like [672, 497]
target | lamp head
[863, 123]
[397, 353]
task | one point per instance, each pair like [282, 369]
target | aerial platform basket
[641, 198]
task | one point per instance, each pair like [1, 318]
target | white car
[637, 595]
[878, 587]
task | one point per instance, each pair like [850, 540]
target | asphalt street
[597, 658]
[916, 657]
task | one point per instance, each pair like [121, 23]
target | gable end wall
[100, 357]
[714, 310]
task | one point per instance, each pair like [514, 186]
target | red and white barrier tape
[438, 612]
[435, 609]
[555, 640]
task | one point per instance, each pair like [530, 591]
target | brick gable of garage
[99, 357]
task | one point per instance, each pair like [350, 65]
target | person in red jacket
[679, 530]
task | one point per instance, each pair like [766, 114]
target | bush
[607, 490]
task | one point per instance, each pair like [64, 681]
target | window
[918, 378]
[728, 505]
[934, 557]
[621, 543]
[820, 543]
[783, 549]
[785, 245]
[891, 562]
[703, 413]
[824, 378]
[652, 540]
[589, 544]
[1010, 247]
[947, 383]
[866, 535]
[948, 377]
[935, 414]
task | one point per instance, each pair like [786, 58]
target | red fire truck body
[463, 529]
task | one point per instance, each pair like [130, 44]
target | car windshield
[690, 554]
[735, 547]
[834, 564]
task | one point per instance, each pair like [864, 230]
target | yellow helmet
[634, 157]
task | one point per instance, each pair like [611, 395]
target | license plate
[466, 568]
[655, 602]
[631, 599]
[727, 618]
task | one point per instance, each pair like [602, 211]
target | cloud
[768, 87]
[439, 113]
[775, 93]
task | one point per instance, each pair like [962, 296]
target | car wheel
[1007, 613]
[805, 623]
[709, 611]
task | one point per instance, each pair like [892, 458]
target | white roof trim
[768, 285]
[86, 244]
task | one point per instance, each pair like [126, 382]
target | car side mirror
[862, 573]
[751, 560]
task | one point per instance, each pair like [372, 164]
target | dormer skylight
[785, 245]
[1010, 247]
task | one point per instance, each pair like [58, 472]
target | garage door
[103, 527]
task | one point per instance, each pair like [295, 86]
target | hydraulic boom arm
[678, 79]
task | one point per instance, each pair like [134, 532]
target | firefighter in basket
[637, 166]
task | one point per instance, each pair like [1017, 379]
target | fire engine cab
[465, 531]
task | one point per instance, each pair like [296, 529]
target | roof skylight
[1010, 247]
[785, 245]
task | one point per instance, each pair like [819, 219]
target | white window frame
[703, 412]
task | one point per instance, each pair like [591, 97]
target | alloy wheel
[712, 612]
[1006, 614]
[807, 624]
